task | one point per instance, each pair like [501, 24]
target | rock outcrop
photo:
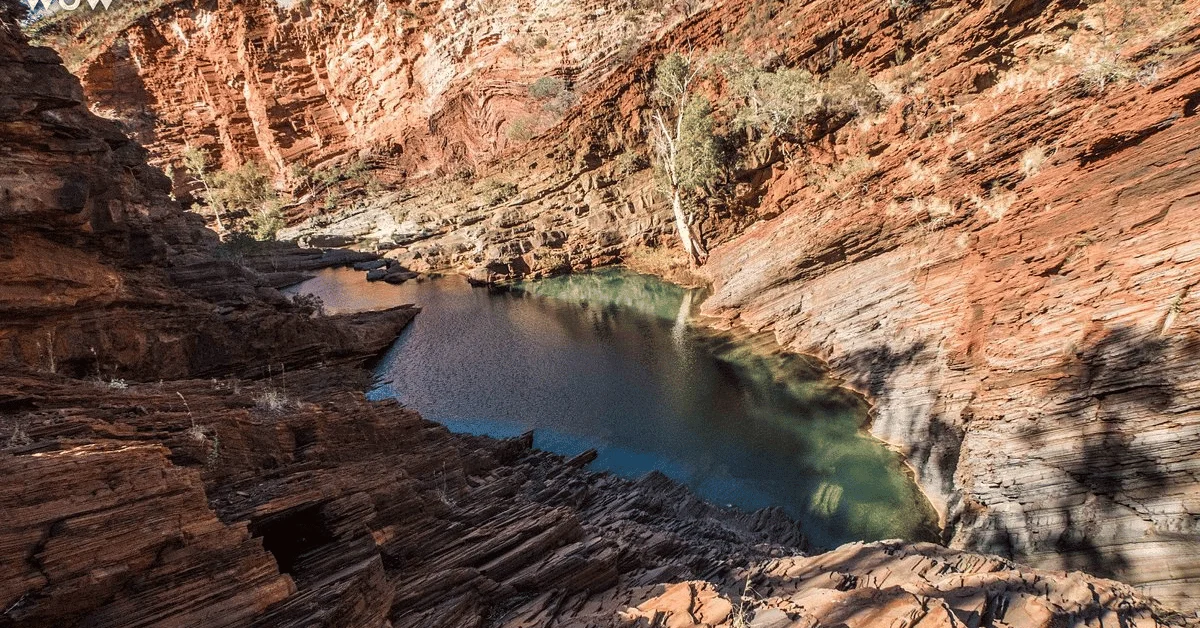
[893, 584]
[1003, 257]
[323, 508]
[183, 445]
[427, 87]
[102, 275]
[1013, 285]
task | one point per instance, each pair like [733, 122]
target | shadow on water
[936, 442]
[607, 360]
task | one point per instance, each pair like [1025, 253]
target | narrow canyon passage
[611, 360]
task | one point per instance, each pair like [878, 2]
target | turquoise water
[610, 360]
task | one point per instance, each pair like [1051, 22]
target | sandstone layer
[1028, 330]
[424, 86]
[1002, 258]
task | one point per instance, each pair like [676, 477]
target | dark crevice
[292, 534]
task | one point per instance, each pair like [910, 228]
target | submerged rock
[371, 265]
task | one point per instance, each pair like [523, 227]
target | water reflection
[608, 360]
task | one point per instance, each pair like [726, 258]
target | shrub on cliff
[267, 222]
[547, 87]
[520, 130]
[773, 103]
[195, 161]
[1101, 71]
[244, 191]
[847, 89]
[246, 188]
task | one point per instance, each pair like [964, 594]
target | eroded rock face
[204, 498]
[102, 275]
[1027, 330]
[428, 86]
[1003, 258]
[889, 584]
[1029, 333]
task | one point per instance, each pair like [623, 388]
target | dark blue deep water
[610, 360]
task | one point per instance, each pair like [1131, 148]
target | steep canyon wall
[1003, 257]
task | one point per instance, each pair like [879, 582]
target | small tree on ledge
[684, 147]
[196, 162]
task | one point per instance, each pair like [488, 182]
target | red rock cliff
[431, 87]
[1003, 258]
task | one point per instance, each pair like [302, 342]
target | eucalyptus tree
[684, 145]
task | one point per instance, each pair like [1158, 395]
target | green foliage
[540, 41]
[195, 160]
[302, 175]
[699, 160]
[686, 152]
[246, 188]
[904, 7]
[847, 89]
[672, 77]
[772, 102]
[358, 171]
[267, 222]
[78, 35]
[520, 130]
[778, 102]
[332, 198]
[547, 87]
[1100, 72]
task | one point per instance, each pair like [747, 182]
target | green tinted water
[610, 360]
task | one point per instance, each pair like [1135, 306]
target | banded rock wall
[1007, 269]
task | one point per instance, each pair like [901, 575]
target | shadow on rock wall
[1114, 386]
[934, 442]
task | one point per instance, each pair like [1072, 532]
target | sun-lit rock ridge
[428, 86]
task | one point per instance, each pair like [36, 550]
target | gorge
[986, 228]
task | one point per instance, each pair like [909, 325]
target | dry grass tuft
[667, 263]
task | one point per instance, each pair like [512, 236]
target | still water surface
[608, 360]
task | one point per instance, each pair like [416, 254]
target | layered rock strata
[1006, 269]
[1002, 259]
[201, 497]
[425, 86]
[889, 584]
[1016, 294]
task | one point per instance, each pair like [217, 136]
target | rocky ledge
[295, 501]
[180, 444]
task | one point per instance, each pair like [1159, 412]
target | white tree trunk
[220, 223]
[681, 225]
[215, 207]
